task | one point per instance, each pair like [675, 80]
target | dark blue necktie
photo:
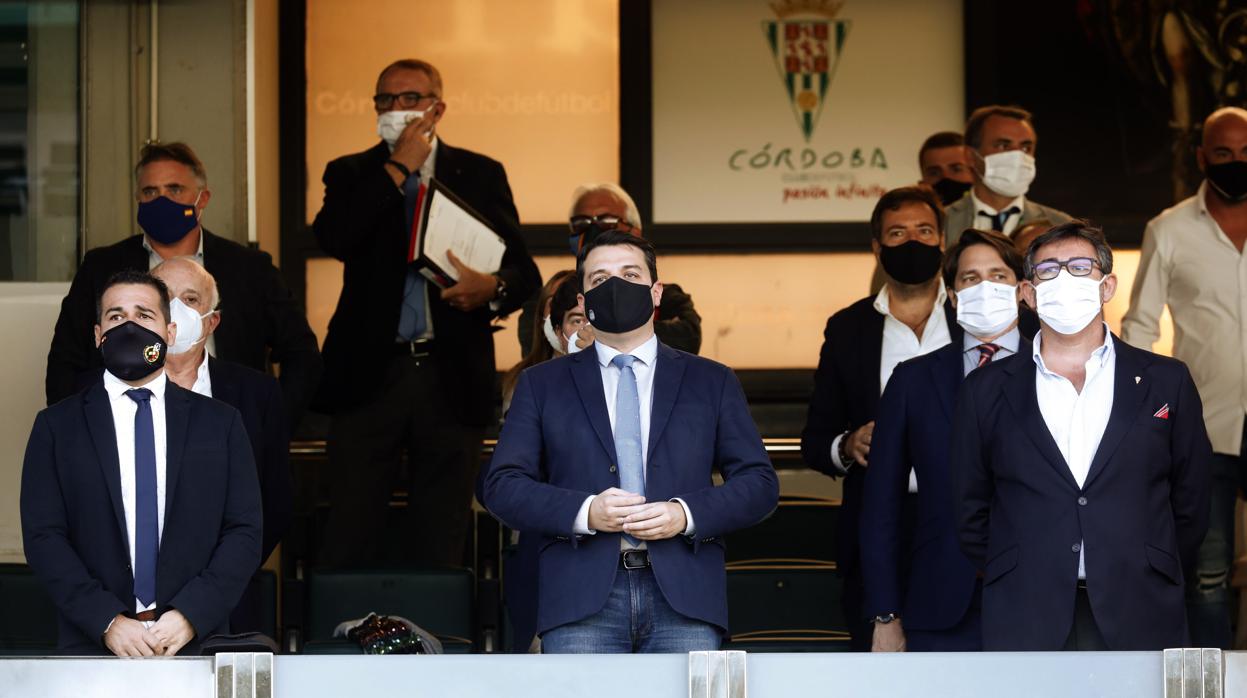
[628, 431]
[146, 512]
[999, 219]
[411, 320]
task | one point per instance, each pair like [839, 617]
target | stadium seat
[27, 616]
[785, 607]
[801, 529]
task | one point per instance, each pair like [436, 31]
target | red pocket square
[1162, 413]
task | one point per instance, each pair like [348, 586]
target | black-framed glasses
[406, 100]
[606, 221]
[1076, 266]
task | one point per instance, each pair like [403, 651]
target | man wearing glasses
[429, 351]
[600, 208]
[1081, 471]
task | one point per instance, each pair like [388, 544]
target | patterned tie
[411, 320]
[146, 529]
[986, 352]
[628, 431]
[999, 219]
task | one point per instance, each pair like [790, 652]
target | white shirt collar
[882, 304]
[117, 388]
[1019, 202]
[1102, 353]
[199, 254]
[646, 353]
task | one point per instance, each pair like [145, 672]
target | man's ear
[656, 290]
[1108, 288]
[952, 296]
[1026, 290]
[171, 333]
[875, 247]
[214, 321]
[99, 336]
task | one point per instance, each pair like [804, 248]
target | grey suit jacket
[961, 215]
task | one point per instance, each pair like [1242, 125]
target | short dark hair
[127, 277]
[612, 238]
[176, 152]
[563, 299]
[974, 125]
[435, 76]
[943, 139]
[896, 198]
[1074, 230]
[972, 236]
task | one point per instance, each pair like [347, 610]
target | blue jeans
[1208, 596]
[635, 619]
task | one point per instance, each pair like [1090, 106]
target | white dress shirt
[1007, 343]
[643, 368]
[1190, 264]
[124, 410]
[426, 175]
[901, 344]
[154, 259]
[1076, 419]
[203, 379]
[1011, 223]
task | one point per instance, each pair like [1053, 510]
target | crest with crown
[806, 40]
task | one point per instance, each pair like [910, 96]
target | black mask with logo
[1229, 179]
[949, 190]
[912, 262]
[132, 352]
[617, 306]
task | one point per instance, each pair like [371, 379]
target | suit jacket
[846, 396]
[1141, 513]
[74, 526]
[914, 430]
[362, 224]
[556, 449]
[260, 320]
[960, 215]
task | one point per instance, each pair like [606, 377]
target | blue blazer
[74, 528]
[914, 430]
[1142, 512]
[557, 448]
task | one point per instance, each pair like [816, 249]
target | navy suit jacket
[556, 449]
[74, 528]
[1141, 513]
[914, 430]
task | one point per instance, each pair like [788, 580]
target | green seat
[27, 617]
[780, 607]
[438, 599]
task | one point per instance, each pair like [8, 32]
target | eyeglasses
[406, 100]
[1076, 266]
[606, 221]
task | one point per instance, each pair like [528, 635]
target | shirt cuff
[690, 529]
[835, 455]
[581, 526]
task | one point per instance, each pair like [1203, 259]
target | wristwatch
[500, 291]
[845, 459]
[886, 618]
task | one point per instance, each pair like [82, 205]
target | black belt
[418, 348]
[634, 559]
[1082, 585]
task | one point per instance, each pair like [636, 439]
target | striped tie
[986, 352]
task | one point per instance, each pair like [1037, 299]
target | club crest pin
[151, 353]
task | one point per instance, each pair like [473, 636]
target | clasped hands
[127, 637]
[615, 510]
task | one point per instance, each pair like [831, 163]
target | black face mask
[950, 190]
[132, 352]
[618, 306]
[912, 262]
[1229, 179]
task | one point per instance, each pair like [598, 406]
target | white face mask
[987, 308]
[1009, 173]
[571, 343]
[190, 326]
[1068, 303]
[390, 124]
[552, 336]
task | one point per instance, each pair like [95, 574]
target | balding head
[189, 281]
[1225, 136]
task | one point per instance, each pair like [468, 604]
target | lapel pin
[1137, 379]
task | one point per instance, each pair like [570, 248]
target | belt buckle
[419, 348]
[641, 555]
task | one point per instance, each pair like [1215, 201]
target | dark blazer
[846, 396]
[74, 527]
[914, 430]
[261, 322]
[1141, 513]
[362, 224]
[556, 449]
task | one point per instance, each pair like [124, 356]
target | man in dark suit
[266, 325]
[909, 317]
[431, 390]
[608, 455]
[1081, 472]
[939, 598]
[139, 503]
[256, 396]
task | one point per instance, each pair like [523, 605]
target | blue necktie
[999, 219]
[628, 431]
[411, 320]
[146, 527]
